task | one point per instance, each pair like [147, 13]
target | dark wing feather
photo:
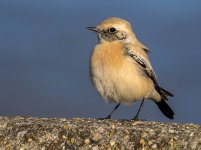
[146, 50]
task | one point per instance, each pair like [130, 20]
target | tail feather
[165, 109]
[162, 105]
[165, 92]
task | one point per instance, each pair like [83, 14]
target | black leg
[109, 116]
[138, 112]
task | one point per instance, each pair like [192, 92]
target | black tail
[165, 92]
[165, 109]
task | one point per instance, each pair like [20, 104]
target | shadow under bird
[120, 69]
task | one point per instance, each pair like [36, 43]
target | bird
[120, 69]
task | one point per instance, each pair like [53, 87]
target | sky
[45, 51]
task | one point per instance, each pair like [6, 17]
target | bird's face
[113, 30]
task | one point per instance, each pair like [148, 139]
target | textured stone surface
[42, 133]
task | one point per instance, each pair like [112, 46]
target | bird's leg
[109, 116]
[138, 112]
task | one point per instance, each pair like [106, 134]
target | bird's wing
[144, 64]
[144, 48]
[142, 61]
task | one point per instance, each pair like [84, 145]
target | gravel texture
[79, 133]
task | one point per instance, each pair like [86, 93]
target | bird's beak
[95, 29]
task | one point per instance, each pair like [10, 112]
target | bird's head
[114, 30]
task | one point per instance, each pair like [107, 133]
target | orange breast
[110, 55]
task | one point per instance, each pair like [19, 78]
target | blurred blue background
[45, 50]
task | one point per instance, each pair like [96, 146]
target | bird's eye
[112, 30]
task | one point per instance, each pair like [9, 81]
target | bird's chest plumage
[114, 75]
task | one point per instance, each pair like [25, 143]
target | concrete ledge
[43, 133]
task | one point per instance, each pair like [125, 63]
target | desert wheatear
[120, 69]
